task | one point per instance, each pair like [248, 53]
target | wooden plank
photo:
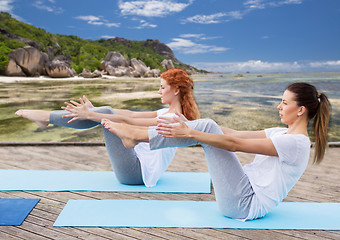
[4, 235]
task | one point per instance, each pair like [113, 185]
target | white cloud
[42, 5]
[200, 36]
[206, 19]
[190, 35]
[259, 66]
[97, 20]
[326, 64]
[249, 6]
[145, 24]
[88, 18]
[255, 4]
[107, 36]
[186, 46]
[6, 6]
[290, 2]
[261, 4]
[152, 8]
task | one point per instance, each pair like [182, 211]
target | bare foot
[124, 131]
[39, 117]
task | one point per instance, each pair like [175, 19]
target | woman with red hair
[138, 165]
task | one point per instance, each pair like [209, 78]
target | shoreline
[12, 79]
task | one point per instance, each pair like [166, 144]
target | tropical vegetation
[80, 52]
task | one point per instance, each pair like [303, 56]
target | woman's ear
[176, 91]
[302, 111]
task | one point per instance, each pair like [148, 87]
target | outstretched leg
[124, 161]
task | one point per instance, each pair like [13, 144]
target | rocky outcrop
[153, 73]
[13, 36]
[116, 65]
[167, 64]
[161, 49]
[86, 73]
[139, 67]
[60, 69]
[120, 40]
[116, 59]
[14, 69]
[29, 61]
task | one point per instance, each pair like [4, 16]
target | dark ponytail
[320, 126]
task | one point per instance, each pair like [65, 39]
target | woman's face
[288, 109]
[168, 93]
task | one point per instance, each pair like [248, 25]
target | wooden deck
[318, 184]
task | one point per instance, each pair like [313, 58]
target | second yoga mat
[99, 181]
[193, 214]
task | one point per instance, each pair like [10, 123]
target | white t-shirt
[154, 162]
[273, 177]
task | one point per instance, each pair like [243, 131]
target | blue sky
[216, 35]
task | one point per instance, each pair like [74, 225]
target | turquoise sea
[246, 102]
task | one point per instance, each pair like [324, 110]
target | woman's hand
[173, 130]
[77, 110]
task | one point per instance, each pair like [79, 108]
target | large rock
[60, 69]
[167, 64]
[153, 73]
[139, 66]
[116, 59]
[86, 73]
[29, 60]
[14, 70]
[116, 65]
[119, 71]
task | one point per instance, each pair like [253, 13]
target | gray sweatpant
[124, 161]
[233, 190]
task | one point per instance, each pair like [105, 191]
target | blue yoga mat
[99, 181]
[13, 211]
[193, 214]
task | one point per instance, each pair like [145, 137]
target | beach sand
[7, 79]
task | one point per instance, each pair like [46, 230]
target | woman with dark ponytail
[139, 165]
[282, 154]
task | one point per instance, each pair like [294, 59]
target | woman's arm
[133, 114]
[243, 134]
[231, 143]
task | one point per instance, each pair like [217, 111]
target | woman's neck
[176, 106]
[298, 127]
